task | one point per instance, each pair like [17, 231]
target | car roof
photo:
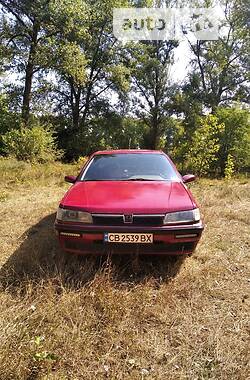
[126, 151]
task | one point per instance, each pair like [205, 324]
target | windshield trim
[176, 179]
[129, 180]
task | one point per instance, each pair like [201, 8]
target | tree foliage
[205, 145]
[235, 139]
[220, 68]
[60, 64]
[151, 62]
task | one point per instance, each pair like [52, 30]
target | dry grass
[76, 318]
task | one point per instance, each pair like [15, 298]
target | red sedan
[129, 201]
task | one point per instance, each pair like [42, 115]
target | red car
[129, 201]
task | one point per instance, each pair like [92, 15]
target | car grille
[117, 220]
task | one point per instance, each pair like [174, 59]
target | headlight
[183, 217]
[73, 216]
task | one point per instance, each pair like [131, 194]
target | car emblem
[128, 219]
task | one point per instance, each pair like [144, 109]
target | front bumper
[89, 239]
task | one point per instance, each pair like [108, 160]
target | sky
[181, 67]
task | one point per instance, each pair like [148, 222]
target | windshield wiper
[123, 179]
[139, 179]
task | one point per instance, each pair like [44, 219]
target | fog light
[70, 234]
[186, 236]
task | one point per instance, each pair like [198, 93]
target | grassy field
[81, 318]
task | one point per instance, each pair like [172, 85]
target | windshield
[130, 167]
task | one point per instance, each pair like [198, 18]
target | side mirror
[70, 178]
[188, 178]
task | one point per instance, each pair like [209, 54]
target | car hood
[129, 197]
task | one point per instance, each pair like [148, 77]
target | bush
[34, 145]
[229, 168]
[235, 139]
[8, 119]
[203, 153]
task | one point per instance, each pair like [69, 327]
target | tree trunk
[75, 98]
[154, 135]
[87, 104]
[154, 140]
[29, 72]
[76, 114]
[27, 93]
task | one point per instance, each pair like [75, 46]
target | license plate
[128, 238]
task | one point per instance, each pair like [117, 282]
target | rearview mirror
[70, 178]
[188, 178]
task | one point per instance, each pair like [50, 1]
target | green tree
[118, 132]
[151, 85]
[220, 72]
[27, 28]
[22, 29]
[235, 138]
[89, 70]
[203, 153]
[8, 119]
[80, 89]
